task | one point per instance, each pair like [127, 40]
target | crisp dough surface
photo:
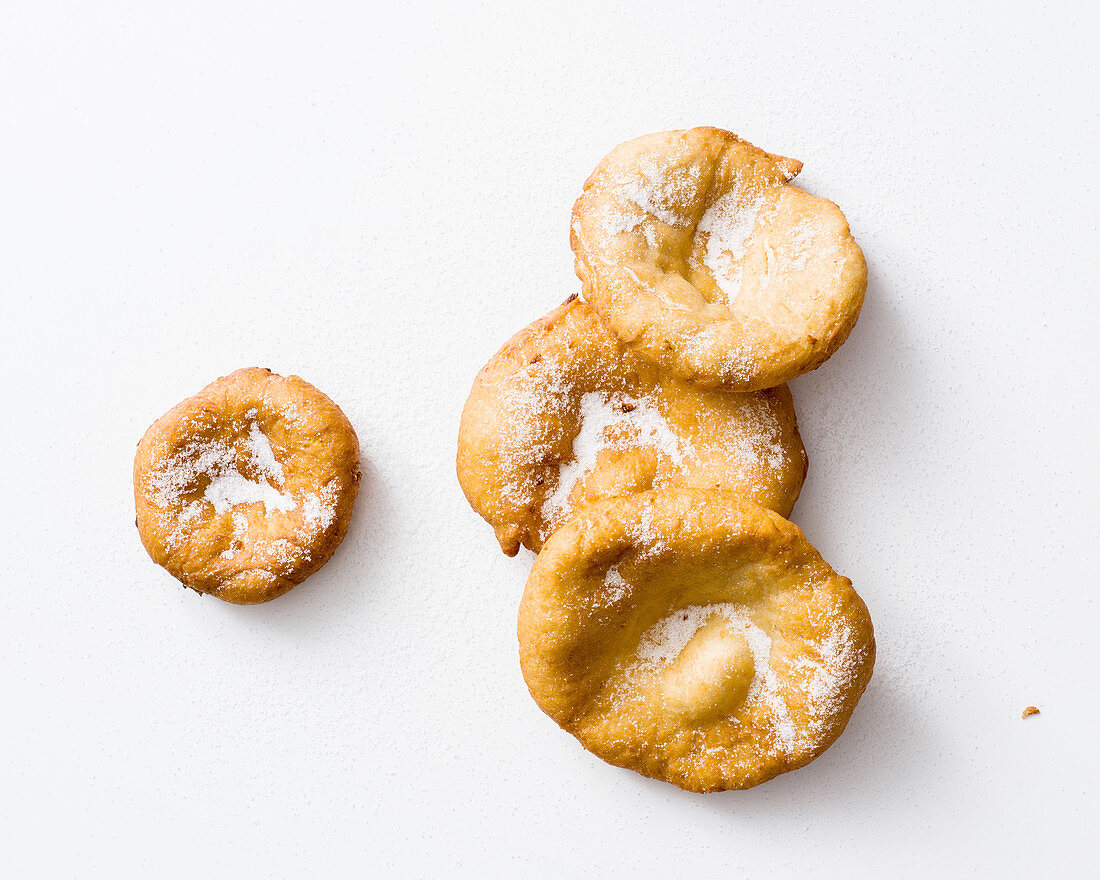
[246, 489]
[562, 415]
[703, 258]
[693, 637]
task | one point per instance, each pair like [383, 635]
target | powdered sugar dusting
[611, 421]
[664, 641]
[728, 225]
[646, 536]
[757, 436]
[803, 240]
[668, 638]
[217, 463]
[830, 677]
[615, 218]
[543, 397]
[664, 192]
[827, 669]
[319, 510]
[229, 488]
[263, 456]
[614, 589]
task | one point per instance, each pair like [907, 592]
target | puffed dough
[562, 415]
[246, 489]
[700, 255]
[693, 637]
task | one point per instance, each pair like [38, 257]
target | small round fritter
[702, 257]
[563, 415]
[246, 489]
[693, 637]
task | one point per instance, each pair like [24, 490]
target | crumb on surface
[1030, 710]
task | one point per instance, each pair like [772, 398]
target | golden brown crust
[246, 489]
[698, 253]
[563, 415]
[693, 637]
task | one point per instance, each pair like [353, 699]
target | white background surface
[376, 199]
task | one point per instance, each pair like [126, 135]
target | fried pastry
[563, 415]
[246, 489]
[693, 637]
[702, 257]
